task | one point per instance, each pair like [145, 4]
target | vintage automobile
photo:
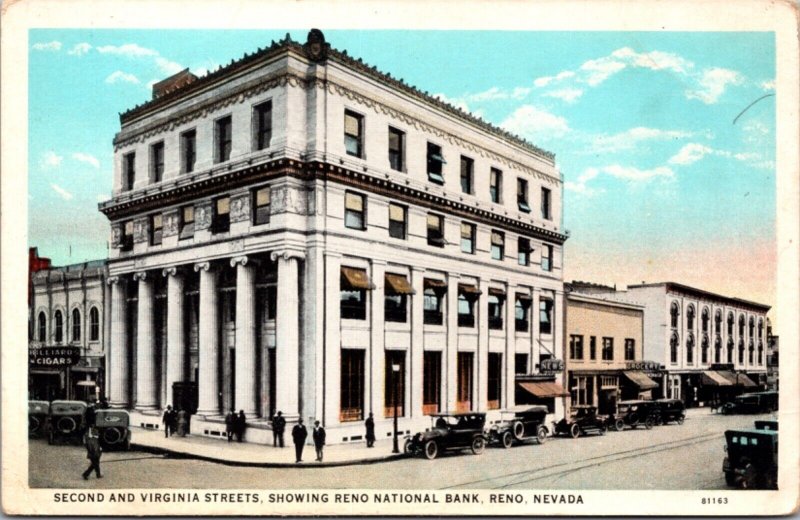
[519, 424]
[449, 431]
[113, 427]
[671, 410]
[634, 414]
[755, 402]
[67, 420]
[752, 459]
[584, 421]
[38, 412]
[767, 424]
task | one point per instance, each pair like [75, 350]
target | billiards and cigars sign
[54, 357]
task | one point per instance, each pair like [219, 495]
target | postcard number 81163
[714, 500]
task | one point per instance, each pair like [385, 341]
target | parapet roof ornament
[316, 48]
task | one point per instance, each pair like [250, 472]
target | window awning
[436, 285]
[357, 278]
[469, 291]
[524, 298]
[398, 284]
[500, 293]
[713, 378]
[543, 388]
[640, 379]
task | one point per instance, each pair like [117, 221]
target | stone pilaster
[376, 354]
[208, 379]
[176, 341]
[146, 381]
[246, 390]
[507, 393]
[119, 373]
[450, 354]
[415, 367]
[287, 334]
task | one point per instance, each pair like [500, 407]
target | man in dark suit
[319, 439]
[278, 427]
[167, 420]
[370, 425]
[241, 423]
[299, 435]
[230, 425]
[93, 452]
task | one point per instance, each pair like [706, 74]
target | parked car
[519, 424]
[634, 414]
[671, 410]
[755, 402]
[67, 420]
[449, 431]
[113, 427]
[767, 424]
[38, 412]
[752, 459]
[584, 421]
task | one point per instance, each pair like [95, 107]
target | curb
[183, 455]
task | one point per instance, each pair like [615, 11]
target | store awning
[641, 380]
[543, 388]
[746, 381]
[357, 278]
[398, 284]
[712, 378]
[737, 379]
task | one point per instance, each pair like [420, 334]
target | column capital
[140, 276]
[172, 271]
[287, 254]
[112, 280]
[243, 260]
[202, 266]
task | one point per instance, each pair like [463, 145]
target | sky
[666, 141]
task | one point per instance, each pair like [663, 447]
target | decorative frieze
[202, 215]
[240, 208]
[116, 235]
[288, 199]
[170, 223]
[141, 227]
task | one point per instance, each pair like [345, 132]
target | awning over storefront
[737, 379]
[399, 284]
[746, 381]
[713, 378]
[543, 388]
[357, 278]
[639, 378]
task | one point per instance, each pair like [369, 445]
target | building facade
[299, 232]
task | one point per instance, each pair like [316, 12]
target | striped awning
[713, 378]
[357, 278]
[640, 379]
[398, 284]
[543, 388]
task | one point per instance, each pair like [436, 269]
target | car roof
[521, 408]
[457, 414]
[635, 401]
[755, 431]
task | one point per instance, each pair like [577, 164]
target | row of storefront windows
[58, 327]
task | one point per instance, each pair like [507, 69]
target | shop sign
[551, 366]
[53, 357]
[647, 366]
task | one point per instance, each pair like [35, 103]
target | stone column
[417, 342]
[535, 332]
[208, 377]
[176, 341]
[332, 338]
[558, 345]
[480, 368]
[450, 354]
[287, 334]
[376, 354]
[119, 378]
[146, 380]
[246, 391]
[507, 397]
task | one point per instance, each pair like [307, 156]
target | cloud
[79, 49]
[570, 95]
[690, 153]
[713, 83]
[61, 191]
[630, 138]
[53, 46]
[628, 173]
[768, 85]
[50, 159]
[546, 80]
[168, 67]
[86, 158]
[130, 50]
[534, 124]
[119, 76]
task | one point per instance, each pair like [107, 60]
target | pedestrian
[230, 425]
[241, 423]
[319, 439]
[90, 415]
[278, 427]
[299, 435]
[183, 422]
[370, 424]
[173, 421]
[166, 419]
[93, 452]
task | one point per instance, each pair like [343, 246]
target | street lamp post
[395, 377]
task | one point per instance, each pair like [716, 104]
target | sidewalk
[259, 455]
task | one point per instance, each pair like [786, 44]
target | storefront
[715, 386]
[603, 389]
[539, 389]
[59, 372]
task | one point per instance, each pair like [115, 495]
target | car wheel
[112, 435]
[602, 429]
[407, 446]
[66, 425]
[619, 425]
[749, 477]
[508, 439]
[649, 423]
[519, 430]
[541, 434]
[730, 478]
[478, 444]
[33, 424]
[574, 431]
[680, 419]
[128, 445]
[431, 450]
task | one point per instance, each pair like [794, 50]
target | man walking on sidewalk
[230, 425]
[299, 435]
[319, 439]
[168, 420]
[278, 427]
[93, 452]
[370, 425]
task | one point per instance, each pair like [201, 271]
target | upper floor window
[496, 300]
[435, 230]
[354, 210]
[432, 301]
[397, 221]
[435, 163]
[752, 326]
[760, 328]
[522, 195]
[467, 166]
[222, 215]
[547, 257]
[718, 322]
[741, 325]
[546, 204]
[157, 161]
[42, 326]
[467, 296]
[354, 134]
[397, 149]
[545, 316]
[704, 318]
[630, 349]
[126, 240]
[673, 348]
[129, 171]
[188, 151]
[76, 325]
[59, 326]
[495, 185]
[223, 135]
[396, 298]
[187, 222]
[674, 312]
[156, 229]
[690, 317]
[730, 324]
[354, 286]
[262, 125]
[498, 245]
[467, 238]
[607, 352]
[523, 251]
[94, 324]
[575, 346]
[261, 206]
[521, 308]
[593, 347]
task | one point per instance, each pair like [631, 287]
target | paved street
[667, 457]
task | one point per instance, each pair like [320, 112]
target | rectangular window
[354, 209]
[353, 297]
[223, 133]
[593, 348]
[467, 238]
[432, 300]
[222, 215]
[435, 162]
[261, 207]
[467, 296]
[547, 257]
[157, 161]
[467, 165]
[394, 383]
[130, 171]
[272, 302]
[397, 221]
[496, 300]
[498, 245]
[495, 185]
[431, 382]
[523, 251]
[156, 229]
[521, 307]
[630, 349]
[262, 125]
[397, 149]
[397, 290]
[354, 134]
[575, 347]
[608, 349]
[495, 381]
[187, 222]
[126, 241]
[520, 363]
[522, 195]
[464, 367]
[188, 151]
[546, 200]
[351, 389]
[545, 316]
[435, 230]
